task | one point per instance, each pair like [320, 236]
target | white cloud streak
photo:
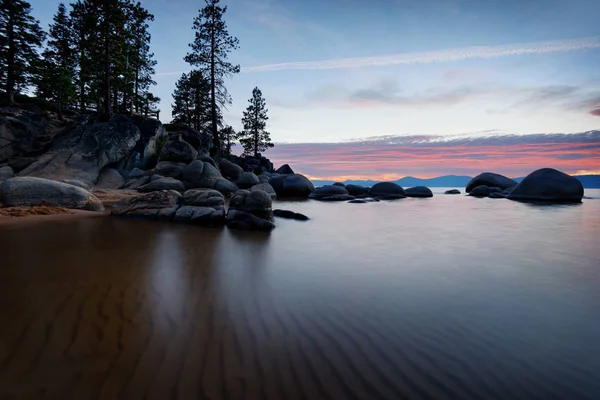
[467, 53]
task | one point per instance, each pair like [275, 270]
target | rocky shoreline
[133, 166]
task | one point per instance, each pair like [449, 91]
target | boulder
[265, 187]
[247, 222]
[387, 191]
[200, 141]
[77, 183]
[23, 131]
[338, 197]
[230, 170]
[264, 178]
[250, 210]
[145, 153]
[290, 215]
[169, 169]
[200, 174]
[203, 198]
[326, 191]
[203, 216]
[156, 177]
[495, 189]
[291, 185]
[133, 184]
[178, 151]
[548, 185]
[490, 179]
[357, 201]
[247, 180]
[32, 191]
[154, 205]
[480, 191]
[6, 173]
[207, 159]
[285, 169]
[210, 176]
[508, 190]
[357, 190]
[137, 173]
[18, 164]
[418, 191]
[497, 195]
[110, 178]
[162, 184]
[225, 187]
[452, 191]
[339, 184]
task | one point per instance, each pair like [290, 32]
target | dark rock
[207, 159]
[259, 170]
[290, 215]
[230, 170]
[178, 151]
[6, 173]
[497, 195]
[144, 154]
[339, 184]
[250, 210]
[160, 205]
[480, 191]
[357, 190]
[162, 184]
[247, 180]
[357, 201]
[285, 169]
[387, 190]
[18, 164]
[204, 216]
[495, 189]
[156, 177]
[327, 191]
[452, 191]
[135, 183]
[200, 141]
[264, 178]
[490, 179]
[245, 221]
[137, 173]
[265, 187]
[77, 183]
[507, 191]
[31, 191]
[338, 197]
[200, 174]
[225, 187]
[418, 191]
[169, 169]
[110, 178]
[23, 132]
[210, 176]
[203, 198]
[291, 185]
[548, 185]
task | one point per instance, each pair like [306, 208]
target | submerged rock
[291, 185]
[452, 191]
[387, 191]
[250, 211]
[31, 191]
[290, 215]
[480, 191]
[418, 191]
[204, 216]
[357, 201]
[497, 195]
[357, 190]
[322, 192]
[490, 179]
[548, 185]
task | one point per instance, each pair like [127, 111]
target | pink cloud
[595, 111]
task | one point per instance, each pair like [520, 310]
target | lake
[450, 297]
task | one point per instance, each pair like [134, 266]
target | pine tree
[192, 106]
[55, 81]
[254, 138]
[210, 49]
[20, 36]
[141, 63]
[227, 136]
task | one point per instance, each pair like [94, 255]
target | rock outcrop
[250, 211]
[162, 184]
[490, 179]
[285, 169]
[548, 185]
[110, 178]
[32, 191]
[161, 205]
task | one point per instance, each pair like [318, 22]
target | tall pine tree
[254, 138]
[20, 37]
[192, 105]
[210, 49]
[227, 136]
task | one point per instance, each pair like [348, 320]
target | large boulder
[225, 187]
[452, 191]
[204, 216]
[162, 184]
[23, 131]
[18, 164]
[200, 141]
[32, 191]
[490, 179]
[110, 178]
[77, 183]
[133, 184]
[178, 151]
[387, 190]
[137, 173]
[207, 159]
[548, 185]
[6, 173]
[290, 215]
[291, 185]
[327, 191]
[250, 211]
[247, 180]
[480, 191]
[265, 187]
[285, 169]
[203, 198]
[497, 195]
[154, 205]
[200, 174]
[230, 170]
[357, 190]
[145, 153]
[170, 169]
[418, 191]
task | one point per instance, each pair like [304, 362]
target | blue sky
[535, 70]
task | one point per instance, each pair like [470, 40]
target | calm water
[443, 298]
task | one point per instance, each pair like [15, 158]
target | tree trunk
[10, 73]
[213, 100]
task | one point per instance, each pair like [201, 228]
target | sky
[383, 89]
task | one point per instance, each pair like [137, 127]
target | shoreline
[29, 220]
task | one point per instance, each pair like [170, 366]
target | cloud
[595, 111]
[392, 157]
[475, 52]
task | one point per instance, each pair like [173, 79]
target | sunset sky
[387, 88]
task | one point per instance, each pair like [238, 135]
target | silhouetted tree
[227, 136]
[210, 49]
[254, 138]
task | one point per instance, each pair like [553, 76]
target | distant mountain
[455, 181]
